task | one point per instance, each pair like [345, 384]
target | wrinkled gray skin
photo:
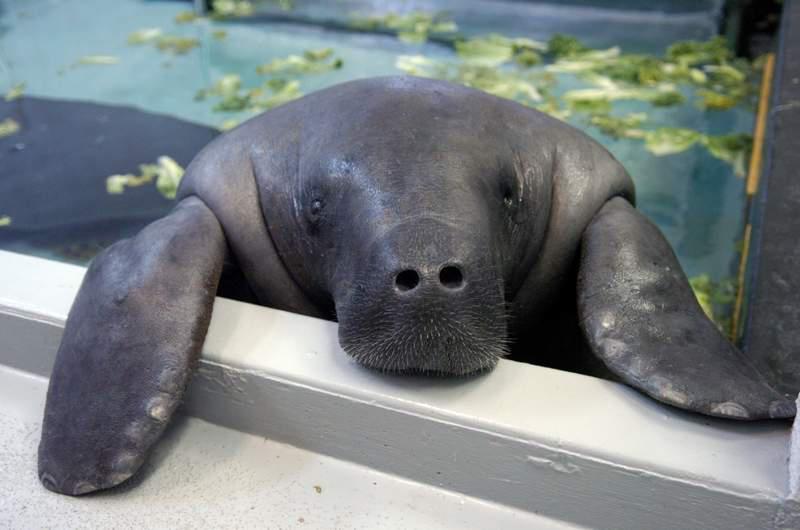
[444, 228]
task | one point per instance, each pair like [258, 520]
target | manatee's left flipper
[132, 336]
[640, 316]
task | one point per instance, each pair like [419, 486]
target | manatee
[442, 227]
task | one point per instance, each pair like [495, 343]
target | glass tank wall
[677, 114]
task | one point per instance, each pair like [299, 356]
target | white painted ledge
[569, 447]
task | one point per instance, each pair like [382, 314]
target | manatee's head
[420, 220]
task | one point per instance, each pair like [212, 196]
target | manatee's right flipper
[640, 317]
[130, 342]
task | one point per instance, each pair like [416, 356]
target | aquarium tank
[103, 104]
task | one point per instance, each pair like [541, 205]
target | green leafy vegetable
[717, 101]
[311, 62]
[564, 46]
[169, 175]
[176, 45]
[665, 98]
[231, 8]
[15, 92]
[620, 127]
[413, 27]
[228, 124]
[495, 81]
[670, 140]
[592, 62]
[173, 44]
[185, 17]
[8, 127]
[731, 148]
[715, 298]
[664, 94]
[234, 98]
[145, 35]
[704, 71]
[98, 59]
[689, 53]
[494, 50]
[166, 172]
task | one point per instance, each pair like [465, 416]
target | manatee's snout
[428, 298]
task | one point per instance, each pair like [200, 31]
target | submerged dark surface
[53, 173]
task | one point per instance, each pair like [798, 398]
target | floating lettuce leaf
[226, 85]
[185, 17]
[520, 87]
[219, 34]
[689, 53]
[233, 103]
[169, 175]
[227, 89]
[717, 101]
[731, 148]
[715, 298]
[8, 127]
[501, 84]
[176, 45]
[620, 127]
[275, 92]
[15, 92]
[116, 184]
[228, 124]
[494, 50]
[564, 46]
[702, 287]
[644, 70]
[666, 98]
[490, 63]
[166, 43]
[662, 95]
[527, 58]
[589, 106]
[231, 8]
[5, 220]
[421, 66]
[311, 62]
[413, 27]
[234, 98]
[144, 36]
[589, 62]
[98, 59]
[242, 8]
[670, 140]
[489, 51]
[728, 85]
[726, 82]
[166, 172]
[728, 73]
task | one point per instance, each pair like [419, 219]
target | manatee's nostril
[406, 280]
[451, 277]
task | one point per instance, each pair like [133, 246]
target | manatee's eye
[507, 190]
[315, 210]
